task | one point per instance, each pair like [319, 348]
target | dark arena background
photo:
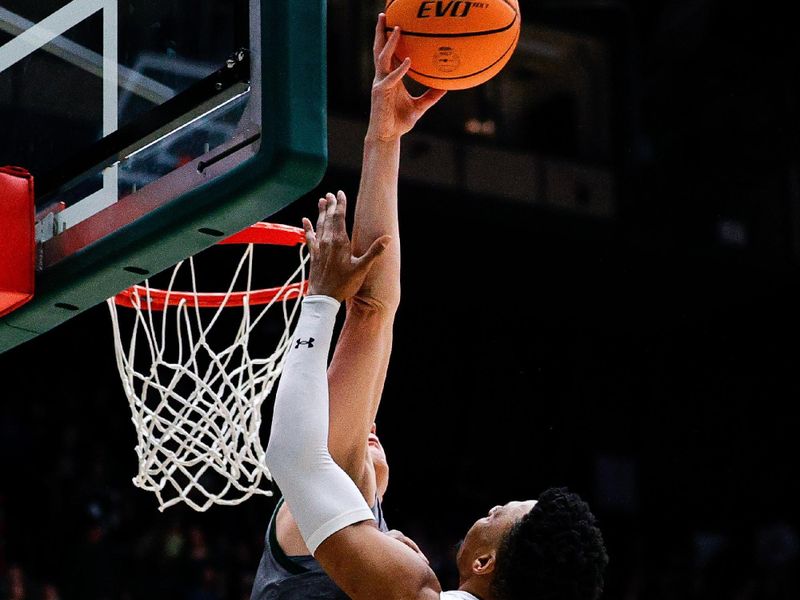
[600, 291]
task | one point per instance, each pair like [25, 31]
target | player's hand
[400, 537]
[335, 272]
[394, 111]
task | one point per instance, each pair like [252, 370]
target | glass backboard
[153, 128]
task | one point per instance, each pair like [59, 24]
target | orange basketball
[455, 44]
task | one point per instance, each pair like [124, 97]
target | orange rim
[269, 234]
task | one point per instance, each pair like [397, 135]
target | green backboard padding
[291, 161]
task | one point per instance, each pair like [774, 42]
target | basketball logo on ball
[455, 44]
[446, 60]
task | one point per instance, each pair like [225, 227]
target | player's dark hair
[554, 552]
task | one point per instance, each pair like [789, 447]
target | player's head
[378, 456]
[550, 548]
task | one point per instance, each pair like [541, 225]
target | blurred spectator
[174, 543]
[198, 549]
[15, 585]
[207, 589]
[2, 535]
[49, 592]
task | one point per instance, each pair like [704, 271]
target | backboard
[153, 129]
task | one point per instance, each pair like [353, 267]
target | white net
[196, 395]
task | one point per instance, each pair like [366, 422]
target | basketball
[455, 44]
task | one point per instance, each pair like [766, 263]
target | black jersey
[282, 577]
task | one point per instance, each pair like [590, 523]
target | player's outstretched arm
[360, 362]
[330, 511]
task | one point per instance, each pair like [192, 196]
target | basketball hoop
[196, 405]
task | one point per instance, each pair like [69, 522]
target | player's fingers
[427, 100]
[330, 214]
[309, 229]
[323, 208]
[386, 54]
[341, 202]
[330, 200]
[399, 536]
[380, 37]
[411, 544]
[311, 237]
[340, 215]
[418, 551]
[395, 76]
[377, 248]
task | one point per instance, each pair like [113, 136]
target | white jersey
[457, 595]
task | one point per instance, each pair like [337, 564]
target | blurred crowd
[185, 561]
[72, 526]
[696, 499]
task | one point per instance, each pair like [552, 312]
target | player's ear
[484, 563]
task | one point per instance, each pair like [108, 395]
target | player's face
[485, 535]
[379, 462]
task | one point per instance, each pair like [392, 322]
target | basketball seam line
[508, 2]
[514, 8]
[457, 35]
[471, 74]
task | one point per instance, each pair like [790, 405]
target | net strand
[196, 409]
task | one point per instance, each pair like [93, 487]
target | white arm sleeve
[321, 496]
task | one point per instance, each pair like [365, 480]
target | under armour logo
[309, 342]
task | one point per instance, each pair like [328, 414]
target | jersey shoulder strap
[285, 561]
